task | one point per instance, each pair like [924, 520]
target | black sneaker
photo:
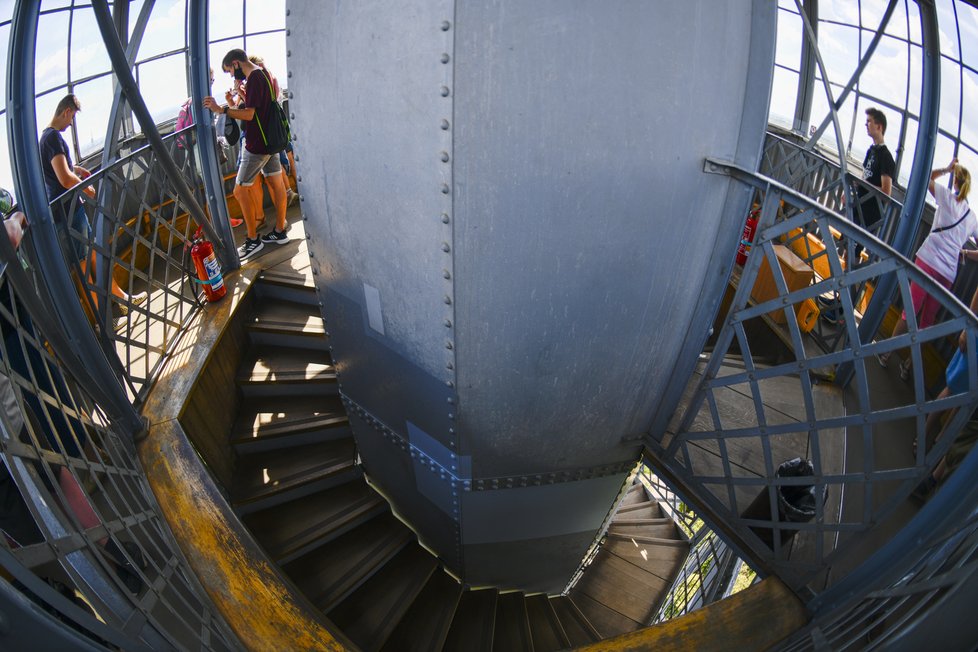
[249, 248]
[275, 237]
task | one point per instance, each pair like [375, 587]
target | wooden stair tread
[266, 426]
[655, 559]
[512, 629]
[576, 625]
[636, 494]
[545, 629]
[628, 519]
[653, 541]
[663, 531]
[288, 277]
[607, 622]
[370, 614]
[270, 364]
[331, 572]
[474, 623]
[314, 520]
[260, 475]
[622, 586]
[648, 509]
[425, 625]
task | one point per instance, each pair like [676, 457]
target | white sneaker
[138, 299]
[250, 248]
[291, 196]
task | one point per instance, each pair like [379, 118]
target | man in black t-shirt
[878, 169]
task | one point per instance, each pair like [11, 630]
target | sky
[162, 69]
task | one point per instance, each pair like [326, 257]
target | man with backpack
[257, 113]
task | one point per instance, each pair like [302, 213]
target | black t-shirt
[52, 144]
[877, 164]
[259, 98]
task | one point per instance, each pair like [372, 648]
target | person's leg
[250, 166]
[258, 201]
[276, 188]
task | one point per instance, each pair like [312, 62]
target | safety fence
[808, 480]
[82, 538]
[133, 265]
[814, 175]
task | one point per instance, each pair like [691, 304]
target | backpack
[276, 133]
[184, 119]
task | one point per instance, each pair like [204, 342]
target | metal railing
[82, 536]
[709, 570]
[860, 485]
[139, 244]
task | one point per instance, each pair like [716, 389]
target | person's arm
[67, 177]
[244, 113]
[936, 173]
[886, 184]
[15, 225]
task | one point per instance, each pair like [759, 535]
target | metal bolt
[445, 125]
[449, 346]
[288, 32]
[448, 323]
[290, 77]
[444, 157]
[445, 58]
[288, 53]
[451, 401]
[446, 274]
[445, 189]
[445, 92]
[288, 12]
[445, 25]
[444, 218]
[445, 247]
[448, 300]
[450, 366]
[292, 117]
[449, 384]
[451, 415]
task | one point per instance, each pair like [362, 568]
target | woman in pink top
[953, 224]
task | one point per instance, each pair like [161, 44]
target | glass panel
[166, 30]
[885, 75]
[950, 96]
[913, 12]
[92, 121]
[943, 152]
[871, 15]
[135, 6]
[271, 48]
[783, 95]
[968, 25]
[788, 51]
[222, 80]
[861, 140]
[946, 25]
[844, 11]
[224, 19]
[264, 15]
[969, 123]
[897, 27]
[163, 83]
[6, 10]
[44, 107]
[916, 79]
[51, 58]
[839, 46]
[88, 54]
[4, 40]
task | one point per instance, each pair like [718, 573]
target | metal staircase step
[370, 614]
[425, 625]
[575, 624]
[288, 323]
[285, 371]
[289, 531]
[280, 422]
[545, 628]
[331, 572]
[290, 285]
[636, 494]
[659, 528]
[659, 558]
[263, 480]
[512, 630]
[474, 623]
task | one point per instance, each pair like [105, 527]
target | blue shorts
[957, 374]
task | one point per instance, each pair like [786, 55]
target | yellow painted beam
[755, 619]
[241, 581]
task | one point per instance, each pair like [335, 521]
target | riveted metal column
[128, 83]
[200, 83]
[78, 347]
[913, 206]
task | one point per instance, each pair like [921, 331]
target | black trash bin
[796, 503]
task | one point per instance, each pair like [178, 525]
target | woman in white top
[953, 224]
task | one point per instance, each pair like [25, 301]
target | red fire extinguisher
[750, 228]
[208, 269]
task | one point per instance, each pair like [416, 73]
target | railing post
[913, 206]
[69, 331]
[128, 83]
[206, 135]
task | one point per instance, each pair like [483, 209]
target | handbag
[232, 132]
[276, 133]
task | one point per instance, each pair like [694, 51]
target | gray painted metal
[503, 197]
